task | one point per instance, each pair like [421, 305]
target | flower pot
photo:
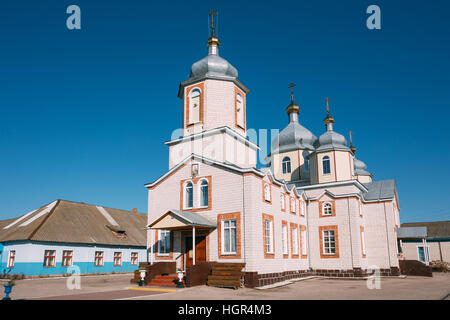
[8, 290]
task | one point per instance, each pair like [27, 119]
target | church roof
[379, 190]
[360, 168]
[213, 65]
[293, 137]
[435, 229]
[77, 222]
[331, 140]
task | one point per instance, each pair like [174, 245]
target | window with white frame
[67, 258]
[266, 192]
[194, 106]
[363, 242]
[204, 193]
[329, 242]
[282, 202]
[239, 110]
[295, 241]
[286, 164]
[98, 262]
[134, 258]
[303, 237]
[164, 242]
[326, 165]
[268, 227]
[11, 258]
[292, 205]
[117, 259]
[284, 238]
[49, 258]
[306, 164]
[327, 209]
[302, 207]
[229, 236]
[189, 195]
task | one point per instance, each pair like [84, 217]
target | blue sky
[84, 113]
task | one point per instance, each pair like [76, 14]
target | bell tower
[214, 110]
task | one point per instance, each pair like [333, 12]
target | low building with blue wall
[64, 236]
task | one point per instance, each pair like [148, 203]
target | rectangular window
[11, 258]
[229, 236]
[303, 239]
[134, 258]
[302, 208]
[329, 242]
[284, 238]
[49, 258]
[268, 235]
[164, 243]
[98, 259]
[282, 202]
[295, 241]
[117, 259]
[67, 258]
[293, 205]
[363, 242]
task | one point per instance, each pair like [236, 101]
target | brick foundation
[253, 279]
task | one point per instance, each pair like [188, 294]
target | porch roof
[177, 220]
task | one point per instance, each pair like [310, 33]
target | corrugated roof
[378, 190]
[412, 232]
[75, 222]
[194, 218]
[435, 230]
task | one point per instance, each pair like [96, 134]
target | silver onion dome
[360, 168]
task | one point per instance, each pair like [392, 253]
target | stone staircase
[164, 281]
[226, 275]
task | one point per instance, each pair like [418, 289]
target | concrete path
[108, 287]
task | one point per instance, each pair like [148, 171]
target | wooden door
[200, 250]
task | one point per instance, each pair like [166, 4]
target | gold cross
[291, 86]
[328, 107]
[212, 13]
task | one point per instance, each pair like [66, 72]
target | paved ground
[116, 287]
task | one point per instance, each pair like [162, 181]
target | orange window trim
[294, 256]
[236, 91]
[284, 223]
[266, 254]
[361, 228]
[200, 86]
[228, 216]
[263, 193]
[195, 189]
[163, 257]
[336, 240]
[302, 229]
[333, 208]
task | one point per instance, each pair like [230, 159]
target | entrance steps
[164, 281]
[226, 275]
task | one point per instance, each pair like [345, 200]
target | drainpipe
[243, 231]
[350, 233]
[193, 245]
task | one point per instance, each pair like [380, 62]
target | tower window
[326, 165]
[189, 195]
[286, 165]
[204, 194]
[306, 162]
[194, 106]
[239, 110]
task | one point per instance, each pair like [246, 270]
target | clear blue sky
[84, 113]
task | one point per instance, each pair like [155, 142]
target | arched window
[239, 110]
[189, 195]
[194, 105]
[326, 165]
[266, 192]
[286, 165]
[204, 194]
[327, 209]
[306, 162]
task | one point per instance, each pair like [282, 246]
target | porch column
[425, 251]
[193, 245]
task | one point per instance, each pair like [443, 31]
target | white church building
[314, 210]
